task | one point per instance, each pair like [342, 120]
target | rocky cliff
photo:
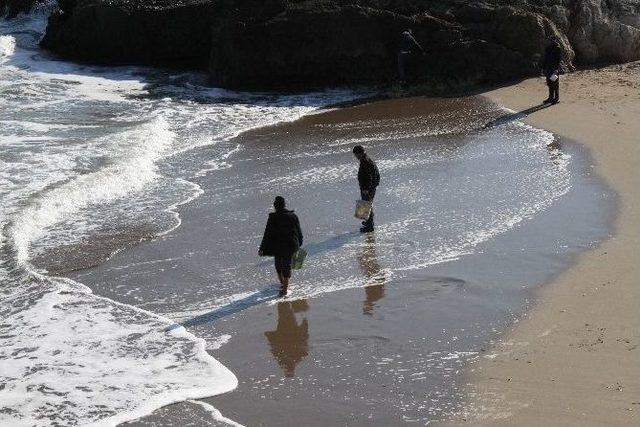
[11, 8]
[303, 43]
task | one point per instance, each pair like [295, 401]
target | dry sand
[574, 359]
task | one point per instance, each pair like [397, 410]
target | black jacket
[552, 59]
[282, 235]
[368, 174]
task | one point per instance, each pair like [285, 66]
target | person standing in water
[551, 69]
[282, 238]
[407, 44]
[368, 179]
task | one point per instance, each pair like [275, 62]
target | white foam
[7, 46]
[215, 414]
[133, 168]
[116, 361]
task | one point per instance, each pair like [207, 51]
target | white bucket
[363, 209]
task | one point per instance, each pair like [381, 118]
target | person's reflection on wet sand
[372, 271]
[289, 342]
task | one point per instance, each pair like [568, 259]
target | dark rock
[158, 32]
[315, 43]
[303, 43]
[605, 31]
[11, 8]
[321, 44]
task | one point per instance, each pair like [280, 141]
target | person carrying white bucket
[368, 179]
[551, 69]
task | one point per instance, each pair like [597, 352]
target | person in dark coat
[407, 45]
[368, 179]
[282, 238]
[551, 69]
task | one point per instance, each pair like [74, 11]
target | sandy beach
[574, 359]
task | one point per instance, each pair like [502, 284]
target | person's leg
[278, 264]
[556, 90]
[550, 87]
[368, 224]
[402, 66]
[286, 274]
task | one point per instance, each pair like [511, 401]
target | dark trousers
[554, 88]
[403, 59]
[283, 264]
[368, 197]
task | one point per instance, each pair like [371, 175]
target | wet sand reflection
[289, 343]
[373, 272]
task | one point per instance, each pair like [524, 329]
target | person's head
[358, 151]
[279, 203]
[409, 31]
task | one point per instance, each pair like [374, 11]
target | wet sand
[574, 360]
[396, 347]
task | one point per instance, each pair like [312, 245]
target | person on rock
[551, 70]
[282, 238]
[407, 45]
[368, 180]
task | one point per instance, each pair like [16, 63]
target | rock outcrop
[157, 32]
[605, 31]
[303, 43]
[315, 43]
[11, 8]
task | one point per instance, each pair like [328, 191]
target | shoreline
[451, 280]
[573, 358]
[269, 129]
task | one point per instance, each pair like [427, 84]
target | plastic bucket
[363, 209]
[298, 259]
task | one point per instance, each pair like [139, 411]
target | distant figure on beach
[368, 179]
[407, 44]
[551, 69]
[282, 238]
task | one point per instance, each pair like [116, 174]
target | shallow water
[94, 160]
[379, 327]
[81, 177]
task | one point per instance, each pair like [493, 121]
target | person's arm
[266, 237]
[545, 61]
[415, 42]
[558, 59]
[364, 177]
[371, 175]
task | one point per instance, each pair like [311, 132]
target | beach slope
[574, 359]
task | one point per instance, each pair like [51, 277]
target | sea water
[79, 153]
[95, 160]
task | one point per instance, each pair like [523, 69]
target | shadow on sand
[512, 117]
[234, 307]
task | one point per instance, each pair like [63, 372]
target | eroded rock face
[303, 43]
[606, 31]
[333, 42]
[158, 32]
